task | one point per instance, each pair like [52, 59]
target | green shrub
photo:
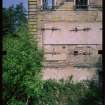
[21, 66]
[69, 93]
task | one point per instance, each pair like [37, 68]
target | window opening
[48, 4]
[81, 4]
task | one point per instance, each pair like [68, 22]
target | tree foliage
[8, 20]
[22, 66]
[23, 62]
[13, 17]
[69, 93]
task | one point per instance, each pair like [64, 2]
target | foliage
[69, 93]
[8, 20]
[20, 14]
[23, 62]
[15, 102]
[93, 95]
[13, 17]
[21, 66]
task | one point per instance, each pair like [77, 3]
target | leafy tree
[8, 20]
[23, 62]
[20, 14]
[21, 67]
[13, 17]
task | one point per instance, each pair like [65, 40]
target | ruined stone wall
[74, 55]
[74, 16]
[96, 2]
[60, 2]
[77, 73]
[69, 50]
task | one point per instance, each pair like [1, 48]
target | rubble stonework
[71, 37]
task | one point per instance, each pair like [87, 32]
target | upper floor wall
[70, 10]
[80, 4]
[95, 2]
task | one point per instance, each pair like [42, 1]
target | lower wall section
[64, 73]
[73, 55]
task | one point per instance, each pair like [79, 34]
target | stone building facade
[70, 32]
